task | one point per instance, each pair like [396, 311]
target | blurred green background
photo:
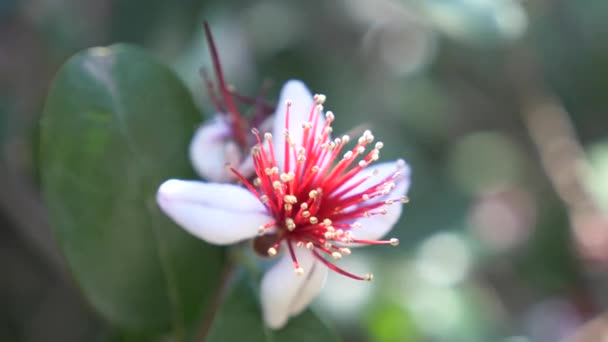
[499, 106]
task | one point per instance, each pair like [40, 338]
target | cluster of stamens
[311, 196]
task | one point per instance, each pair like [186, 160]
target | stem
[217, 299]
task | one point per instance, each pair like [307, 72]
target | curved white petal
[281, 286]
[375, 227]
[211, 149]
[217, 213]
[315, 281]
[301, 104]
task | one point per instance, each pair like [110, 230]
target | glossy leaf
[116, 124]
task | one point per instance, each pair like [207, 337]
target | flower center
[317, 195]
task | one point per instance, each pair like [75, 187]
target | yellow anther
[290, 224]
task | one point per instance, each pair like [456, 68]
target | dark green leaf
[116, 125]
[239, 319]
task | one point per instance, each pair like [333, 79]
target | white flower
[214, 146]
[312, 196]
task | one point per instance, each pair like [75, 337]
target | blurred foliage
[489, 247]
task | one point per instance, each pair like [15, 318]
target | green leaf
[116, 125]
[239, 319]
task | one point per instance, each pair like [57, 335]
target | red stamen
[309, 201]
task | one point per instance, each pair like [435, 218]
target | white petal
[281, 286]
[217, 213]
[375, 227]
[301, 104]
[211, 149]
[310, 289]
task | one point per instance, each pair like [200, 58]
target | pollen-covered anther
[379, 145]
[345, 251]
[387, 188]
[368, 277]
[304, 206]
[267, 136]
[366, 138]
[291, 199]
[319, 98]
[306, 214]
[257, 182]
[299, 270]
[290, 224]
[315, 169]
[307, 125]
[313, 194]
[394, 242]
[284, 177]
[327, 222]
[255, 131]
[309, 245]
[288, 207]
[365, 197]
[264, 199]
[277, 185]
[328, 235]
[300, 244]
[336, 255]
[348, 155]
[319, 108]
[261, 230]
[405, 200]
[272, 251]
[329, 116]
[313, 220]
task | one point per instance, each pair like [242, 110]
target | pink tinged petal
[281, 287]
[301, 104]
[211, 149]
[377, 226]
[217, 213]
[315, 281]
